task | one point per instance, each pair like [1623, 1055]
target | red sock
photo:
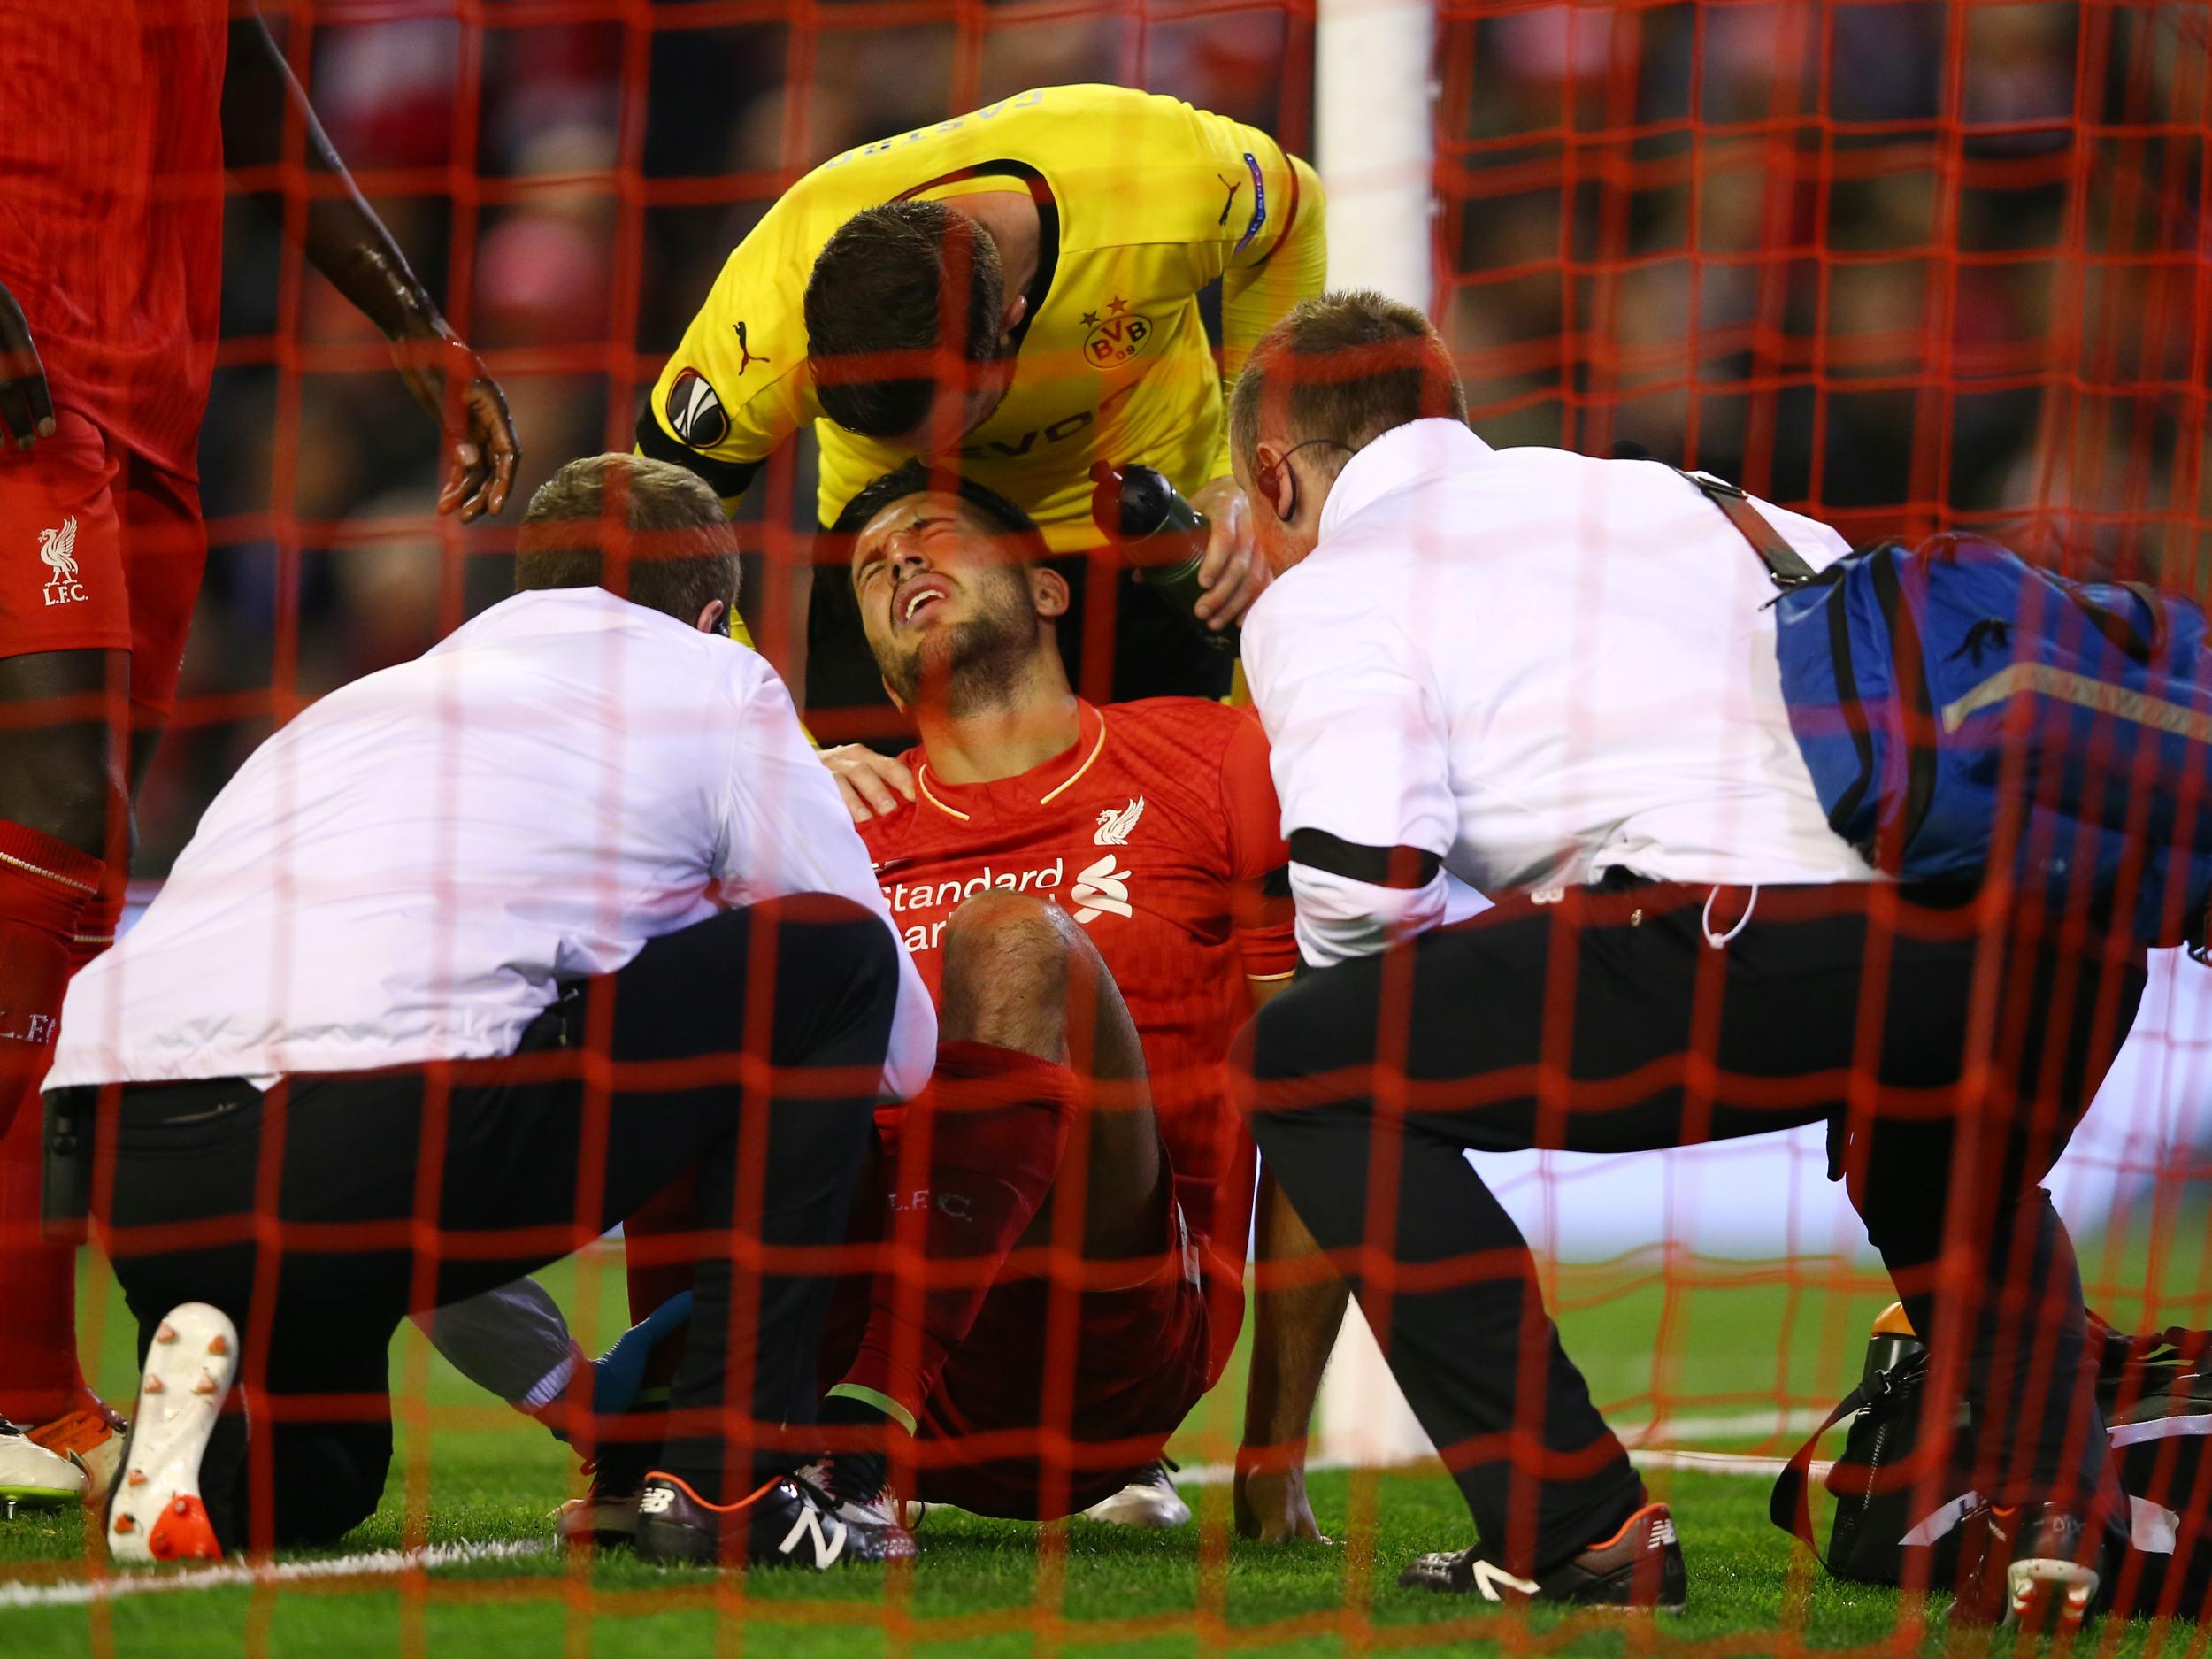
[979, 1151]
[45, 888]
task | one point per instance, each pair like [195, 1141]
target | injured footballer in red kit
[1096, 898]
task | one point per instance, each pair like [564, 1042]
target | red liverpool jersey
[111, 208]
[1158, 832]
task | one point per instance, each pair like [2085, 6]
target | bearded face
[947, 603]
[967, 661]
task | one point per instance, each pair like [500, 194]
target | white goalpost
[1374, 89]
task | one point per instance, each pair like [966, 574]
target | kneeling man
[1682, 950]
[562, 908]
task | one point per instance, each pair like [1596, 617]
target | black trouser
[529, 1158]
[1603, 1021]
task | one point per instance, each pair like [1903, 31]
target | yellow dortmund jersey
[1143, 201]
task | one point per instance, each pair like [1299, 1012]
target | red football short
[99, 550]
[991, 1434]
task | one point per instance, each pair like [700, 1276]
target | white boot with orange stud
[155, 1511]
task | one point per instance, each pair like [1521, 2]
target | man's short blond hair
[1346, 367]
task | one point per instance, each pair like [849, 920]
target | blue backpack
[1964, 712]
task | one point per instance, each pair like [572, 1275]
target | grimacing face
[939, 586]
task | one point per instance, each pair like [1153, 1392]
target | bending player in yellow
[1013, 292]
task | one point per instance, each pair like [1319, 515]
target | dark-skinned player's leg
[62, 812]
[121, 547]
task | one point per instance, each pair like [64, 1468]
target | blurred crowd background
[1914, 264]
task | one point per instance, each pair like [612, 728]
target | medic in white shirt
[1553, 677]
[468, 962]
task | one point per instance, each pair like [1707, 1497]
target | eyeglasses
[1263, 479]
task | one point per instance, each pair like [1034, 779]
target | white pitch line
[1727, 1426]
[1716, 1463]
[374, 1564]
[1643, 1457]
[389, 1563]
[1639, 1438]
[1219, 1474]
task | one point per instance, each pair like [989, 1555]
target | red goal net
[1904, 266]
[1913, 265]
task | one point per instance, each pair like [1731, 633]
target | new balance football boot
[785, 1522]
[1640, 1568]
[864, 1502]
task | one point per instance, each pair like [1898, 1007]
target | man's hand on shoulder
[27, 407]
[871, 784]
[1232, 572]
[1270, 1496]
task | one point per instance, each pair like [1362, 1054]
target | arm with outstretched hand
[345, 241]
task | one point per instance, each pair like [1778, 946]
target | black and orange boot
[1638, 1568]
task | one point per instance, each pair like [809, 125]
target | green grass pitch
[1718, 1340]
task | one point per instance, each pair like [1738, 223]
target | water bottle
[1162, 535]
[1891, 1342]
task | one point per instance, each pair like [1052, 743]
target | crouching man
[467, 962]
[1554, 677]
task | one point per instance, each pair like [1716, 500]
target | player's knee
[1007, 961]
[874, 954]
[997, 920]
[1901, 1177]
[1900, 1220]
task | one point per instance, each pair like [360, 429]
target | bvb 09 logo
[1116, 337]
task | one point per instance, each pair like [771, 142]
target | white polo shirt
[1537, 666]
[408, 870]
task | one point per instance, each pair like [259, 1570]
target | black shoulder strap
[1783, 560]
[1790, 1505]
